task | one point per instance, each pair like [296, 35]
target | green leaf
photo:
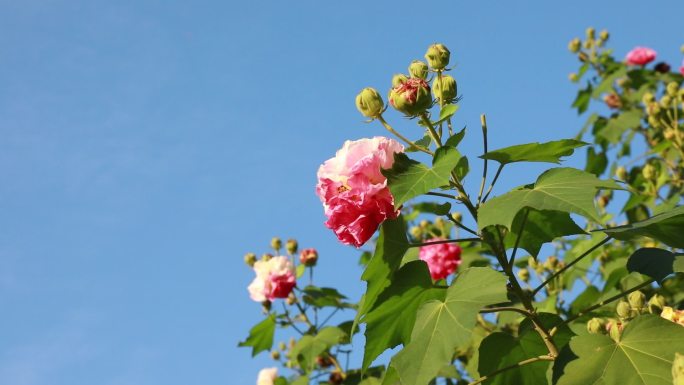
[499, 350]
[588, 297]
[596, 162]
[261, 335]
[390, 323]
[433, 208]
[540, 227]
[582, 100]
[301, 380]
[425, 142]
[656, 263]
[389, 251]
[309, 347]
[560, 189]
[455, 139]
[442, 326]
[408, 179]
[666, 228]
[300, 270]
[607, 83]
[643, 356]
[549, 152]
[462, 168]
[616, 126]
[324, 297]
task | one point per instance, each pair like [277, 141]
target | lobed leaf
[261, 335]
[665, 227]
[549, 152]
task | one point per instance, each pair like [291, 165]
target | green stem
[569, 265]
[514, 366]
[483, 121]
[431, 129]
[517, 240]
[491, 186]
[445, 241]
[461, 225]
[402, 137]
[505, 308]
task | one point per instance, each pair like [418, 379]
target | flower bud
[672, 88]
[370, 103]
[458, 217]
[551, 263]
[681, 49]
[275, 355]
[666, 101]
[615, 330]
[652, 109]
[669, 134]
[250, 259]
[604, 35]
[411, 97]
[416, 232]
[291, 246]
[668, 313]
[424, 224]
[276, 243]
[444, 89]
[612, 101]
[636, 299]
[266, 306]
[524, 275]
[336, 378]
[648, 98]
[573, 77]
[596, 326]
[532, 263]
[621, 173]
[588, 44]
[398, 79]
[308, 257]
[591, 33]
[678, 369]
[623, 310]
[653, 122]
[575, 45]
[418, 69]
[656, 304]
[649, 172]
[437, 56]
[266, 257]
[282, 346]
[291, 299]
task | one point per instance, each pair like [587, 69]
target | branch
[517, 240]
[483, 121]
[445, 241]
[516, 365]
[402, 137]
[461, 225]
[505, 308]
[554, 275]
[491, 186]
[440, 195]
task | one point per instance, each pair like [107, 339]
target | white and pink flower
[353, 190]
[267, 376]
[275, 278]
[640, 56]
[442, 259]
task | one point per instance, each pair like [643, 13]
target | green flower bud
[276, 243]
[532, 263]
[649, 172]
[411, 97]
[424, 224]
[524, 275]
[604, 35]
[591, 33]
[588, 44]
[282, 346]
[250, 259]
[669, 134]
[573, 77]
[444, 89]
[398, 79]
[437, 56]
[681, 48]
[678, 369]
[623, 310]
[615, 330]
[672, 88]
[458, 217]
[666, 101]
[418, 69]
[636, 299]
[575, 45]
[653, 122]
[416, 232]
[551, 263]
[652, 109]
[291, 246]
[648, 98]
[369, 103]
[266, 256]
[275, 355]
[656, 304]
[596, 326]
[621, 173]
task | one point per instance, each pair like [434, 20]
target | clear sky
[145, 146]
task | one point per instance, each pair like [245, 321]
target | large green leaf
[408, 179]
[616, 126]
[643, 356]
[540, 227]
[309, 347]
[261, 335]
[389, 324]
[561, 189]
[389, 251]
[324, 297]
[656, 263]
[667, 228]
[442, 326]
[549, 152]
[499, 350]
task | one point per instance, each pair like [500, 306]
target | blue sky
[145, 146]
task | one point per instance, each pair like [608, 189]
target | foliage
[575, 278]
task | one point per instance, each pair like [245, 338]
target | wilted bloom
[640, 56]
[662, 67]
[267, 376]
[308, 257]
[442, 259]
[411, 97]
[670, 314]
[354, 192]
[275, 278]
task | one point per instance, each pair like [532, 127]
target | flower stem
[445, 241]
[483, 121]
[435, 136]
[402, 137]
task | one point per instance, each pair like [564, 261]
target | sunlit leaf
[261, 335]
[549, 152]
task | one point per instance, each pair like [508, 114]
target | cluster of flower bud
[587, 49]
